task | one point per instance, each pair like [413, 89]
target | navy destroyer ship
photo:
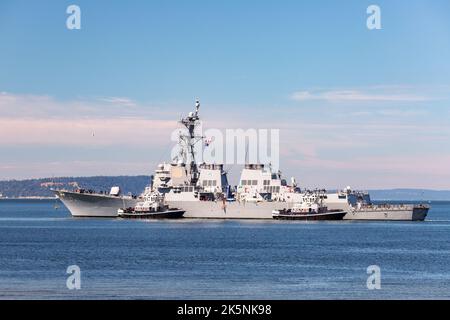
[203, 191]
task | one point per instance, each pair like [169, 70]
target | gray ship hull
[94, 205]
[400, 213]
[229, 210]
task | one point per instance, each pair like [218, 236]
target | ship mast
[190, 139]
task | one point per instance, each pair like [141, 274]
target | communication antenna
[293, 182]
[197, 106]
[188, 141]
[246, 151]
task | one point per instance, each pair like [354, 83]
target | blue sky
[355, 106]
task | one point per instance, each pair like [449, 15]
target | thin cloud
[44, 120]
[357, 95]
[87, 132]
[120, 101]
[432, 164]
[45, 107]
[390, 113]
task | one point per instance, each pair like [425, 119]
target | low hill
[41, 187]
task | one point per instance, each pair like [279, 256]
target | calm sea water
[199, 259]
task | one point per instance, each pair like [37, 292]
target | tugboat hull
[337, 215]
[169, 214]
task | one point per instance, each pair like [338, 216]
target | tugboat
[310, 208]
[153, 207]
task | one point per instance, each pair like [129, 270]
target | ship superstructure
[203, 190]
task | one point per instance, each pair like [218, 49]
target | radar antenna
[187, 142]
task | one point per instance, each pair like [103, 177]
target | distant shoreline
[28, 198]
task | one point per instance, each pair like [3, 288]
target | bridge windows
[249, 182]
[209, 183]
[272, 189]
[183, 189]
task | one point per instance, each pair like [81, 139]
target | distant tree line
[41, 187]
